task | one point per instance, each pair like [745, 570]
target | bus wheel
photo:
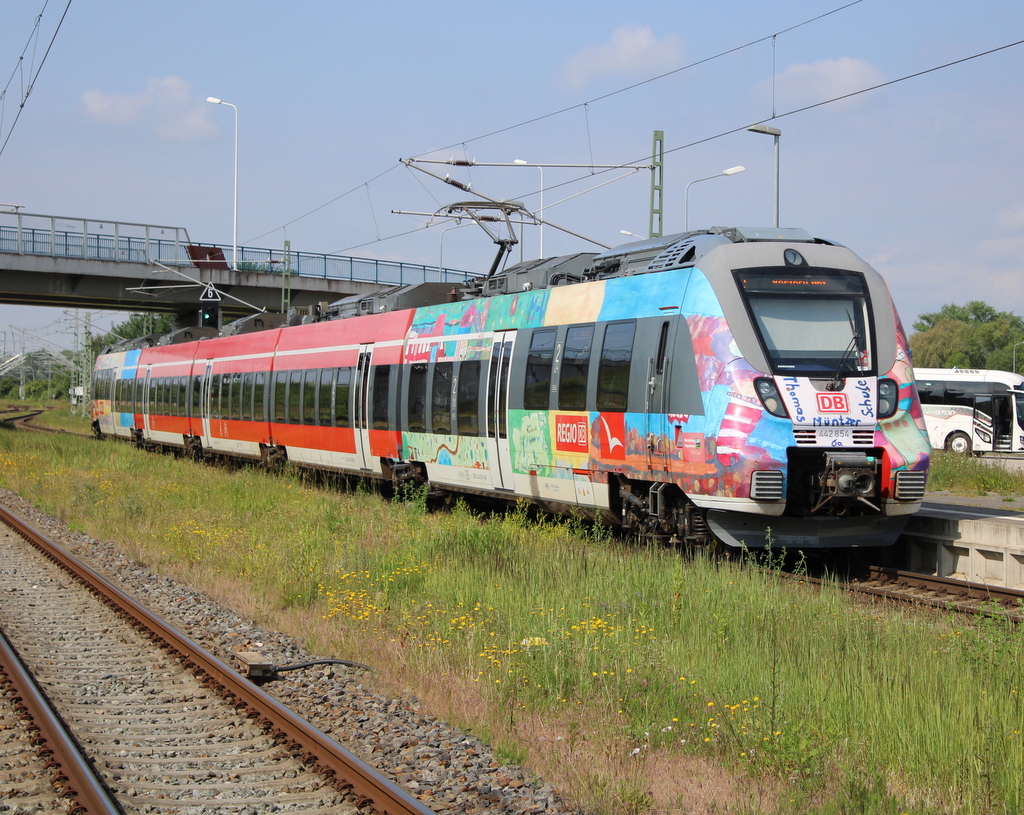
[959, 443]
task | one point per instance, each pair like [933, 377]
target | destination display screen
[786, 282]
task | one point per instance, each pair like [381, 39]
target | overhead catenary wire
[463, 143]
[27, 89]
[696, 142]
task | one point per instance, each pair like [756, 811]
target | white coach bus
[972, 411]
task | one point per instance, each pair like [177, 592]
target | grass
[969, 475]
[634, 679]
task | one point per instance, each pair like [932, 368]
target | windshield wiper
[835, 381]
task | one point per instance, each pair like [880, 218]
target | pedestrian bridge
[47, 260]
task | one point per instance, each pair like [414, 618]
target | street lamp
[440, 249]
[686, 192]
[631, 234]
[234, 248]
[524, 163]
[1015, 356]
[772, 131]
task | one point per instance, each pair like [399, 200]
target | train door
[361, 405]
[498, 383]
[205, 399]
[144, 405]
[656, 402]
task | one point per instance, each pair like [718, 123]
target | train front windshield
[813, 322]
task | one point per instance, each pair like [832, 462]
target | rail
[329, 757]
[27, 233]
[70, 771]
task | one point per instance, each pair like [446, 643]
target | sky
[918, 168]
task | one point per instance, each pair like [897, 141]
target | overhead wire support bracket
[210, 291]
[511, 206]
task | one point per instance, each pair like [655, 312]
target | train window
[235, 398]
[342, 386]
[258, 395]
[215, 396]
[811, 321]
[280, 395]
[613, 372]
[467, 405]
[220, 396]
[381, 395]
[418, 398]
[197, 396]
[497, 390]
[572, 382]
[323, 398]
[247, 380]
[659, 365]
[309, 397]
[294, 392]
[181, 403]
[441, 398]
[538, 370]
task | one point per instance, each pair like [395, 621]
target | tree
[137, 325]
[974, 335]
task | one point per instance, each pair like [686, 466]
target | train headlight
[888, 397]
[769, 396]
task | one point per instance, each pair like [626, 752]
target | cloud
[632, 52]
[806, 84]
[1011, 219]
[165, 105]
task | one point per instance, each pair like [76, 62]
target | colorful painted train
[748, 385]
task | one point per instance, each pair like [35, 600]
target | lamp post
[772, 131]
[686, 192]
[524, 163]
[440, 249]
[1015, 356]
[234, 247]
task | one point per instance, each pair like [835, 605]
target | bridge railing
[342, 267]
[90, 239]
[30, 234]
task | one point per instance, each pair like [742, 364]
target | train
[736, 385]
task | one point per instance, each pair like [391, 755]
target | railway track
[942, 592]
[42, 770]
[164, 723]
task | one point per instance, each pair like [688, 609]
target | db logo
[832, 403]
